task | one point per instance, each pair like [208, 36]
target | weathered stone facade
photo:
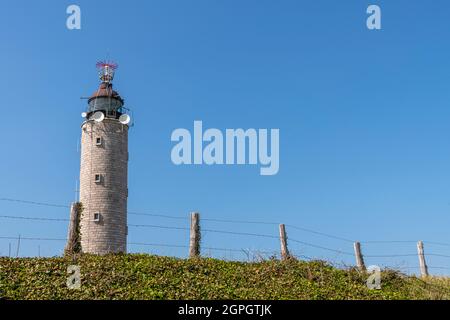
[103, 186]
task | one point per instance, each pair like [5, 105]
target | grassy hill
[134, 276]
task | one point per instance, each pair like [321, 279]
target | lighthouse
[104, 168]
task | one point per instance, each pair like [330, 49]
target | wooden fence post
[195, 236]
[422, 262]
[359, 257]
[283, 241]
[73, 238]
[18, 247]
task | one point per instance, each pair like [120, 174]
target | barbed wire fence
[282, 242]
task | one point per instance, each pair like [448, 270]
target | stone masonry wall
[109, 196]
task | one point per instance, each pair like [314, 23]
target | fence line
[283, 237]
[220, 220]
[223, 221]
[187, 218]
[247, 234]
[138, 243]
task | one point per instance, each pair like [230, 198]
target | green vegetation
[132, 276]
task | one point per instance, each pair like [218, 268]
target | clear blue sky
[363, 118]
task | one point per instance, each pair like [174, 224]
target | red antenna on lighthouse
[106, 70]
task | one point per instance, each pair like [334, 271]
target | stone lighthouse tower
[104, 169]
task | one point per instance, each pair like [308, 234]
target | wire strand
[319, 233]
[35, 203]
[33, 218]
[320, 247]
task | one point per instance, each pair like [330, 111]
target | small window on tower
[98, 178]
[97, 217]
[98, 141]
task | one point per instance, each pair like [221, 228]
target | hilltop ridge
[141, 276]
